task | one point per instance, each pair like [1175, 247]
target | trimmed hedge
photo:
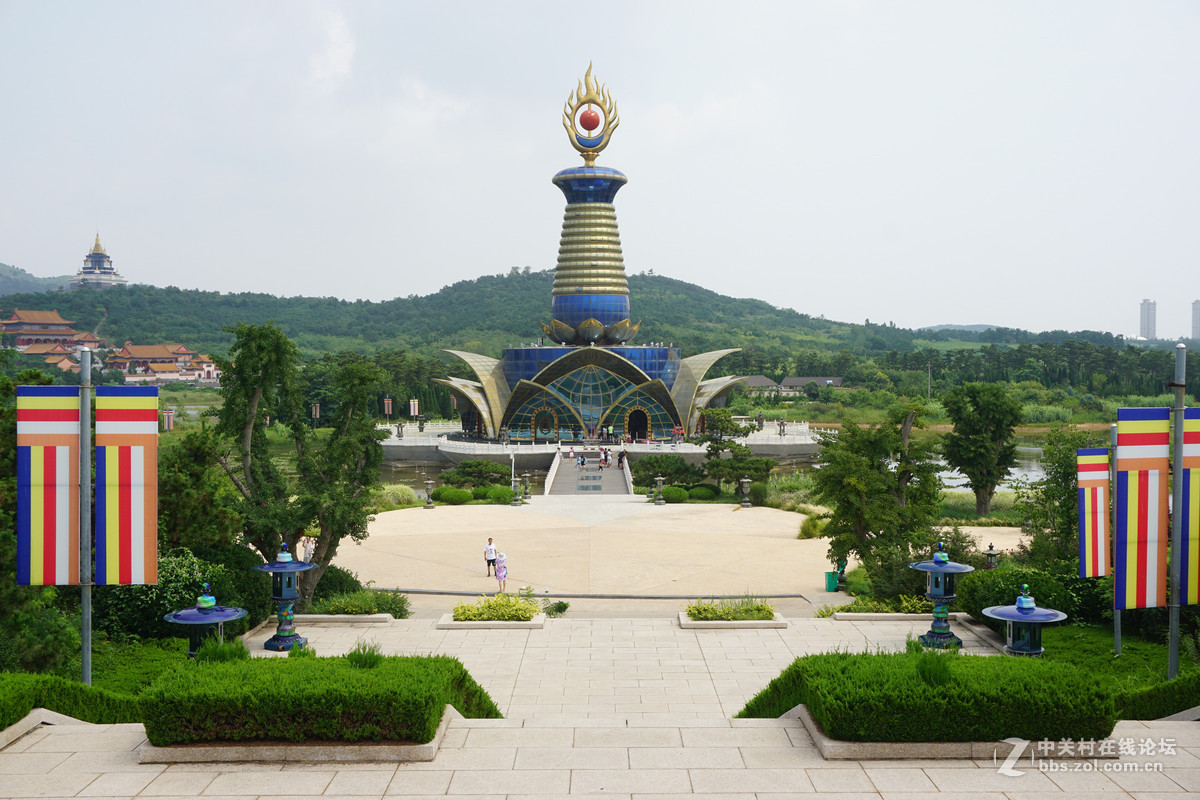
[307, 699]
[498, 608]
[455, 497]
[1000, 587]
[20, 693]
[1161, 699]
[886, 698]
[674, 494]
[500, 495]
[365, 601]
[480, 492]
[701, 493]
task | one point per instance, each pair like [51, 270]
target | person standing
[489, 556]
[501, 570]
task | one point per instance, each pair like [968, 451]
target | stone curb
[447, 623]
[274, 752]
[688, 623]
[34, 719]
[888, 616]
[841, 750]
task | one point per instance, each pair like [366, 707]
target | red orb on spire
[589, 119]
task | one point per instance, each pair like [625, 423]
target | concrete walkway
[626, 707]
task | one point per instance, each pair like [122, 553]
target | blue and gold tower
[592, 377]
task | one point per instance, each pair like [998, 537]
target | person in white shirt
[489, 557]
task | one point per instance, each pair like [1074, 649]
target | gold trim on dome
[588, 145]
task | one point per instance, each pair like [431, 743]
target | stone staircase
[591, 480]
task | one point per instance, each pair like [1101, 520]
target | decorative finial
[580, 122]
[96, 248]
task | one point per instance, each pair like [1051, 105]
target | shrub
[498, 608]
[674, 469]
[1032, 414]
[437, 494]
[336, 581]
[758, 493]
[904, 697]
[251, 588]
[1000, 587]
[1160, 699]
[365, 601]
[139, 610]
[365, 655]
[215, 650]
[712, 487]
[701, 493]
[812, 526]
[555, 608]
[740, 608]
[401, 699]
[675, 494]
[20, 693]
[858, 582]
[913, 604]
[455, 497]
[394, 495]
[477, 472]
[304, 651]
[859, 605]
[500, 495]
[480, 492]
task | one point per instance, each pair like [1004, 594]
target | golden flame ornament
[587, 109]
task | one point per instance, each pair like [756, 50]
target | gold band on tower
[589, 253]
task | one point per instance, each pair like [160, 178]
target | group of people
[497, 561]
[604, 459]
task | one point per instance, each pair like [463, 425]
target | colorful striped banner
[47, 485]
[1189, 507]
[1092, 479]
[1143, 478]
[126, 497]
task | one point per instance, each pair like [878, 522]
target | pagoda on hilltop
[592, 377]
[97, 272]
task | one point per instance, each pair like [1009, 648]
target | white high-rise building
[1146, 329]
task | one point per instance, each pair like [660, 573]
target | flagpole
[1112, 519]
[1179, 385]
[85, 515]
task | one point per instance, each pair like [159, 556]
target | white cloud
[331, 66]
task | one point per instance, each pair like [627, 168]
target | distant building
[38, 327]
[97, 272]
[162, 363]
[1196, 319]
[1147, 328]
[796, 385]
[759, 384]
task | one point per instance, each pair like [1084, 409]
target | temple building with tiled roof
[97, 272]
[26, 327]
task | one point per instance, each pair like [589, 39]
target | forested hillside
[492, 312]
[14, 280]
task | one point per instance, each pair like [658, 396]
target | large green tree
[881, 487]
[35, 635]
[982, 445]
[329, 496]
[1052, 504]
[720, 437]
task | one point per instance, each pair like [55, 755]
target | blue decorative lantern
[940, 576]
[285, 580]
[1025, 621]
[202, 617]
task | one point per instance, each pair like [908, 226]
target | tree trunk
[983, 501]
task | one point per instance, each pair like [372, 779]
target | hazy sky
[1030, 164]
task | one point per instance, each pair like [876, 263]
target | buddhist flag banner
[47, 485]
[1189, 507]
[126, 485]
[1140, 562]
[1093, 511]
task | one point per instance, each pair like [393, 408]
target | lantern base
[281, 643]
[1009, 651]
[939, 639]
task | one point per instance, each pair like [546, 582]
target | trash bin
[831, 581]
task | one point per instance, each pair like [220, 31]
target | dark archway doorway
[637, 424]
[545, 425]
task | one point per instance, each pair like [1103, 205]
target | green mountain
[492, 312]
[14, 280]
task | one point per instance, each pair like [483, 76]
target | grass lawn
[1141, 662]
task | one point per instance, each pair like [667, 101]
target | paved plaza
[610, 702]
